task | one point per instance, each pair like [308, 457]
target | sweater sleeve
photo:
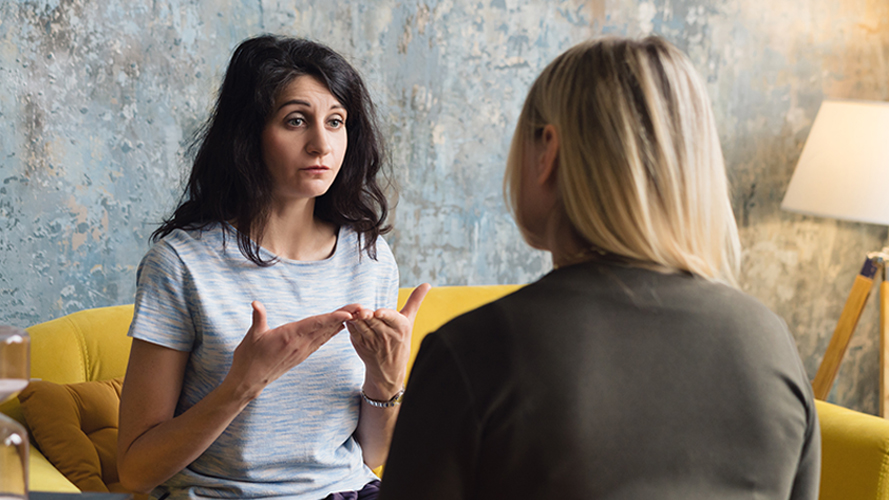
[436, 439]
[807, 481]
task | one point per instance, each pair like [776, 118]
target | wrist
[382, 391]
[238, 392]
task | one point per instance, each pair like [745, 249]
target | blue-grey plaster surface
[99, 100]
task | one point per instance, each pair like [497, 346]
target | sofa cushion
[75, 426]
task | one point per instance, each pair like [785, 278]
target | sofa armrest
[855, 454]
[42, 476]
[86, 345]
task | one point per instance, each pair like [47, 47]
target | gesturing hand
[264, 355]
[382, 339]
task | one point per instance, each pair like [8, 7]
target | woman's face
[304, 141]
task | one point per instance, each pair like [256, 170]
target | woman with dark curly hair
[286, 166]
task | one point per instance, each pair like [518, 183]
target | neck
[571, 249]
[568, 247]
[293, 232]
[564, 242]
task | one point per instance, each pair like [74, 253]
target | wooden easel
[836, 349]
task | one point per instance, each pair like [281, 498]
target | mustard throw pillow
[75, 426]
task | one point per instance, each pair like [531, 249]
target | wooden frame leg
[833, 356]
[884, 345]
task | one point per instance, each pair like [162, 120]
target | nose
[319, 142]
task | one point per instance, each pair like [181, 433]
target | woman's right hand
[265, 354]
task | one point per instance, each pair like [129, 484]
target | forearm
[375, 427]
[382, 340]
[169, 447]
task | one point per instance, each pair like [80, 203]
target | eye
[335, 122]
[296, 121]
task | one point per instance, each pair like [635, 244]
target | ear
[548, 162]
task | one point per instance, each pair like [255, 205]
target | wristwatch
[396, 400]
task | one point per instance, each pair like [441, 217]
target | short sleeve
[389, 274]
[161, 314]
[393, 287]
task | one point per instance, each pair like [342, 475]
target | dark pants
[369, 492]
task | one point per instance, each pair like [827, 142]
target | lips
[316, 168]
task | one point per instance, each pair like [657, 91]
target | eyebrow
[306, 103]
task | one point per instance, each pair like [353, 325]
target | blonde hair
[640, 169]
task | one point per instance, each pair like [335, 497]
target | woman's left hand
[382, 339]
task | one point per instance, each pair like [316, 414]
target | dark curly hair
[229, 180]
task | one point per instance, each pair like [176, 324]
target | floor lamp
[843, 173]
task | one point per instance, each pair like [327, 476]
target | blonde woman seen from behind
[635, 369]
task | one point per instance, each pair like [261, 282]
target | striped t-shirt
[295, 441]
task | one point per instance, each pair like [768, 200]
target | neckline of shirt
[266, 253]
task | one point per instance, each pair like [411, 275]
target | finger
[319, 325]
[260, 323]
[351, 308]
[388, 318]
[327, 326]
[413, 302]
[359, 330]
[362, 315]
[334, 319]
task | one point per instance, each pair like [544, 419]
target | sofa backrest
[93, 345]
[83, 346]
[86, 345]
[445, 303]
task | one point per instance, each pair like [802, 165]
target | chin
[310, 190]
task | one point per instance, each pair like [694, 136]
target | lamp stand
[884, 344]
[836, 349]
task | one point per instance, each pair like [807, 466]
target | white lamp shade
[843, 171]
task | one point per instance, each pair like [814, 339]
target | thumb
[413, 302]
[259, 317]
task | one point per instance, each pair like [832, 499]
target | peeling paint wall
[99, 100]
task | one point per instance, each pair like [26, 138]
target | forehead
[307, 90]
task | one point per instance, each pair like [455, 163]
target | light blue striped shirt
[295, 441]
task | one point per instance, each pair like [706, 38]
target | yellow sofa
[92, 345]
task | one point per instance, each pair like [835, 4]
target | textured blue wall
[98, 100]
